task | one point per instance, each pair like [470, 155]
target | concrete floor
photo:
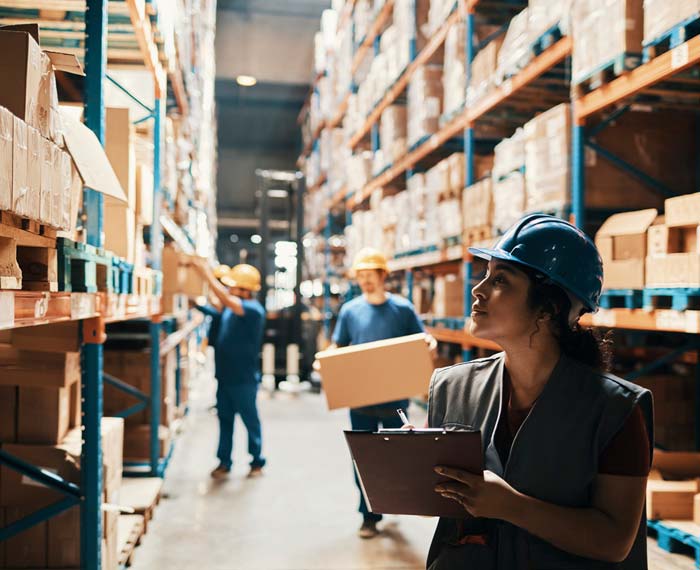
[300, 516]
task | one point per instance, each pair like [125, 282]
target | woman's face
[500, 310]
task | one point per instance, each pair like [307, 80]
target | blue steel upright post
[578, 174]
[91, 454]
[468, 166]
[156, 257]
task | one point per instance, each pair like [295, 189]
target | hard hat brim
[489, 254]
[233, 283]
[369, 266]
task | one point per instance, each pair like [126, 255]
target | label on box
[82, 305]
[7, 309]
[679, 56]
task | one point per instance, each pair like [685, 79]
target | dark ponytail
[586, 345]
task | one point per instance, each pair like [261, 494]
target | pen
[403, 417]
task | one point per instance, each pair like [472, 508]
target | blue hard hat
[558, 250]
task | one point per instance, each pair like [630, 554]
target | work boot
[255, 471]
[368, 529]
[221, 472]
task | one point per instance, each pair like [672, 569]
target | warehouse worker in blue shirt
[239, 326]
[375, 315]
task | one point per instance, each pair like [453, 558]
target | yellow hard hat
[221, 270]
[243, 276]
[370, 258]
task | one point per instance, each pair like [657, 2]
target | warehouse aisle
[299, 516]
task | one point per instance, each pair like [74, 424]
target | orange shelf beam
[308, 147]
[395, 90]
[449, 255]
[461, 337]
[340, 113]
[549, 58]
[374, 31]
[658, 69]
[338, 198]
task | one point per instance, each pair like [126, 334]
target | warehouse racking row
[159, 59]
[596, 101]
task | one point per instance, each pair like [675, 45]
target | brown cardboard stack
[483, 72]
[508, 181]
[56, 542]
[424, 102]
[544, 14]
[622, 243]
[477, 205]
[602, 31]
[134, 368]
[179, 277]
[674, 411]
[515, 52]
[448, 300]
[392, 135]
[660, 16]
[547, 151]
[674, 255]
[454, 78]
[672, 489]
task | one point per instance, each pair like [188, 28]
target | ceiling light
[246, 80]
[256, 239]
[277, 193]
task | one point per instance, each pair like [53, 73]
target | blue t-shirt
[237, 342]
[359, 321]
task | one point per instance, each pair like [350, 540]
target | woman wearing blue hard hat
[567, 446]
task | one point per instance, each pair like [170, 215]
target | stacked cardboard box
[674, 255]
[508, 181]
[483, 72]
[424, 103]
[392, 136]
[477, 205]
[660, 16]
[515, 52]
[56, 542]
[622, 243]
[454, 79]
[179, 274]
[339, 154]
[448, 300]
[602, 31]
[545, 14]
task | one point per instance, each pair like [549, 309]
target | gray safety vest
[554, 457]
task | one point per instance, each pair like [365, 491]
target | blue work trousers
[232, 400]
[359, 420]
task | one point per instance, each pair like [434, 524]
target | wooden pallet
[681, 537]
[672, 38]
[28, 258]
[546, 40]
[471, 236]
[621, 299]
[143, 281]
[604, 74]
[130, 529]
[678, 299]
[142, 495]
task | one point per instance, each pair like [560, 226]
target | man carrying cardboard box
[239, 326]
[376, 315]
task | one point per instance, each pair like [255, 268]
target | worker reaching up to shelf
[238, 327]
[376, 315]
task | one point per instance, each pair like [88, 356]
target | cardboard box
[39, 369]
[622, 242]
[120, 230]
[376, 372]
[46, 191]
[58, 337]
[144, 194]
[119, 145]
[52, 405]
[6, 154]
[449, 296]
[683, 210]
[20, 163]
[509, 195]
[673, 500]
[677, 464]
[8, 414]
[18, 490]
[477, 205]
[673, 270]
[20, 68]
[660, 16]
[35, 158]
[137, 442]
[113, 457]
[27, 549]
[483, 71]
[603, 30]
[662, 240]
[174, 273]
[63, 540]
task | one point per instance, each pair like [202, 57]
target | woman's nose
[479, 291]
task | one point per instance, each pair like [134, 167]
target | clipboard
[396, 468]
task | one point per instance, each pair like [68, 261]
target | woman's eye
[499, 280]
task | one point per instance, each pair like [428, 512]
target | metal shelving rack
[95, 310]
